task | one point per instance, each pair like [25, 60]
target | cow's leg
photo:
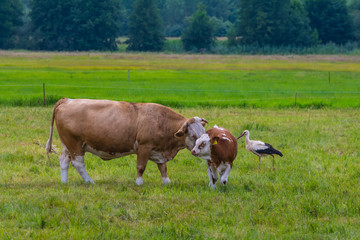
[142, 159]
[64, 164]
[79, 164]
[213, 175]
[224, 173]
[163, 170]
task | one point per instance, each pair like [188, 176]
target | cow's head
[192, 129]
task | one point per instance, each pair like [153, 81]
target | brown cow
[112, 129]
[219, 147]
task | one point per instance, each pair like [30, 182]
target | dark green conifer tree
[331, 20]
[200, 33]
[10, 20]
[272, 23]
[354, 10]
[299, 32]
[145, 29]
[75, 24]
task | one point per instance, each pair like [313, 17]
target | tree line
[80, 25]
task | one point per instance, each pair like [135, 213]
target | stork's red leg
[259, 163]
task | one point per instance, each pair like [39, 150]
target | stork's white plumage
[259, 148]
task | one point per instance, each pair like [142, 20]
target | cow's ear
[179, 133]
[182, 130]
[214, 140]
[204, 122]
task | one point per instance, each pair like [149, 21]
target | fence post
[295, 98]
[44, 94]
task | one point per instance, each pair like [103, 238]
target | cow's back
[157, 123]
[115, 127]
[104, 125]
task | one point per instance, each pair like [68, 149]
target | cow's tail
[49, 147]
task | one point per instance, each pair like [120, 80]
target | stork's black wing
[269, 150]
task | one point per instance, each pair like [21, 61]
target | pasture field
[182, 80]
[313, 194]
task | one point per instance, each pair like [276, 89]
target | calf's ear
[214, 140]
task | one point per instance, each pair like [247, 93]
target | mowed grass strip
[151, 61]
[313, 194]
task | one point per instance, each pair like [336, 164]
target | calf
[219, 147]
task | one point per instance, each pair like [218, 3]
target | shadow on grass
[187, 186]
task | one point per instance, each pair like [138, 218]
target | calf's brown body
[219, 147]
[224, 151]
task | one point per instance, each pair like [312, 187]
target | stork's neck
[247, 139]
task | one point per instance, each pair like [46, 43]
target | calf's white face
[202, 147]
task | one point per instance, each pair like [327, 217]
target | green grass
[313, 194]
[181, 80]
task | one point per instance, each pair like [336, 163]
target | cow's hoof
[166, 180]
[90, 181]
[213, 186]
[64, 178]
[139, 181]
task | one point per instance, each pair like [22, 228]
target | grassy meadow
[182, 80]
[313, 194]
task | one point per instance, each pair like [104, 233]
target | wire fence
[177, 89]
[20, 94]
[290, 99]
[187, 90]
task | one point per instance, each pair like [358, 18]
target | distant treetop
[75, 24]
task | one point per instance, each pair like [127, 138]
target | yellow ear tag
[215, 142]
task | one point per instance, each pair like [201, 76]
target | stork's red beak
[241, 135]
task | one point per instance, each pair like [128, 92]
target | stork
[259, 148]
